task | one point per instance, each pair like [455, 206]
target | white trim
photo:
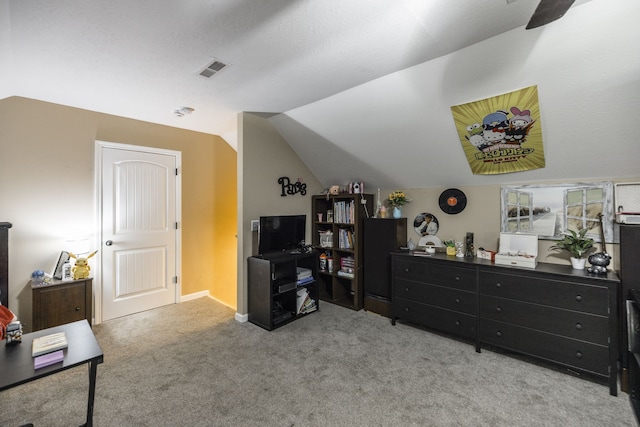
[242, 318]
[194, 295]
[97, 280]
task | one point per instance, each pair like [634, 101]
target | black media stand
[282, 288]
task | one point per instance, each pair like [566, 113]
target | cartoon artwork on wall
[502, 134]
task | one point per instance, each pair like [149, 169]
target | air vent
[212, 68]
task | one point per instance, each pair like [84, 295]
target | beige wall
[263, 157]
[47, 191]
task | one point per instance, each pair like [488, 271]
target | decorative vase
[578, 263]
[397, 212]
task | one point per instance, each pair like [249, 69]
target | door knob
[108, 243]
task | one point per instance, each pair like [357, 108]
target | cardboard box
[485, 254]
[518, 250]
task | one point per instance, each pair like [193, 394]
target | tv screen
[281, 233]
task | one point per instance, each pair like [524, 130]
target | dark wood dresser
[552, 313]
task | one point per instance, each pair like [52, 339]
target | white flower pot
[578, 263]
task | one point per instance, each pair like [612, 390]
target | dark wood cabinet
[61, 302]
[381, 236]
[278, 288]
[551, 313]
[630, 277]
[338, 232]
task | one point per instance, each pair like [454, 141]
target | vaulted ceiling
[142, 59]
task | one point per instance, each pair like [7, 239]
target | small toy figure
[14, 332]
[81, 269]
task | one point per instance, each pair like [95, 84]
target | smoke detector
[183, 111]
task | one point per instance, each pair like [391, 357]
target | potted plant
[577, 245]
[396, 200]
[451, 247]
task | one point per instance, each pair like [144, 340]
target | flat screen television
[282, 233]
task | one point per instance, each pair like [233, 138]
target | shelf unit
[343, 216]
[381, 237]
[275, 292]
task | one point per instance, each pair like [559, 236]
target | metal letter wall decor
[289, 188]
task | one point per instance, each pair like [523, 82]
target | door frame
[97, 276]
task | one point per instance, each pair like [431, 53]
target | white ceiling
[140, 59]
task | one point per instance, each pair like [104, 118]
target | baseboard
[242, 318]
[194, 295]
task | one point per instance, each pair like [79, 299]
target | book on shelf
[48, 344]
[346, 274]
[305, 281]
[305, 304]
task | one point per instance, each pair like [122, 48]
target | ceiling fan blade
[548, 11]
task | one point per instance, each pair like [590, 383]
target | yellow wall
[47, 188]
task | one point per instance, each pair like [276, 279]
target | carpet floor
[192, 364]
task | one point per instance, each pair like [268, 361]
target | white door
[139, 229]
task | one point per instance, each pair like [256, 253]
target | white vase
[578, 263]
[397, 212]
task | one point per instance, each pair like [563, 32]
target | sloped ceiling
[141, 59]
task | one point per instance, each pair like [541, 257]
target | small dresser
[61, 302]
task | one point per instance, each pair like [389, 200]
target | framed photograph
[58, 270]
[67, 271]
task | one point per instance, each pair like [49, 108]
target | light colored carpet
[192, 364]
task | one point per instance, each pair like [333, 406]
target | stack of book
[344, 212]
[345, 239]
[305, 304]
[347, 267]
[47, 350]
[304, 276]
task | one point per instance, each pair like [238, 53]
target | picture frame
[550, 211]
[58, 270]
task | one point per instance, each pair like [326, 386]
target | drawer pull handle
[406, 289]
[579, 326]
[457, 278]
[498, 285]
[579, 354]
[499, 309]
[77, 308]
[406, 309]
[457, 323]
[406, 270]
[458, 300]
[499, 334]
[578, 297]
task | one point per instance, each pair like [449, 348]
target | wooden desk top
[16, 362]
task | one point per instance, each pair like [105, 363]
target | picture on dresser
[550, 211]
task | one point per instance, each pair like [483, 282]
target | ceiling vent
[212, 68]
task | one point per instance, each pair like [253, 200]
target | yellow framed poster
[502, 134]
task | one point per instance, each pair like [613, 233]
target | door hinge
[175, 280]
[176, 225]
[176, 171]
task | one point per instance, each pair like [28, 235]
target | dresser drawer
[436, 274]
[449, 321]
[568, 295]
[440, 296]
[574, 353]
[572, 324]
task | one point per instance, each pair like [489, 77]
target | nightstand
[61, 302]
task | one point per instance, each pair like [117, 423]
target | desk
[16, 362]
